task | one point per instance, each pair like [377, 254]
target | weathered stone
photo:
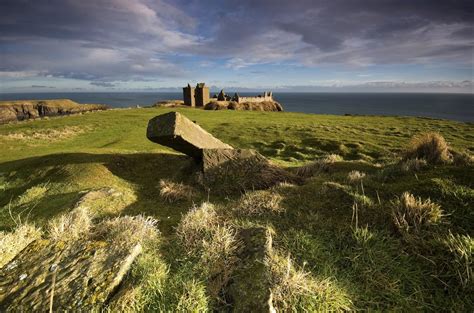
[82, 275]
[73, 271]
[179, 133]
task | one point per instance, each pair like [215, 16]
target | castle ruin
[196, 96]
[199, 96]
[267, 96]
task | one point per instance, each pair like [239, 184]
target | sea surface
[459, 107]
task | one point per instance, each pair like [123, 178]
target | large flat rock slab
[181, 134]
[65, 274]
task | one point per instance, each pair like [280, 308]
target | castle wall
[189, 96]
[266, 97]
[202, 96]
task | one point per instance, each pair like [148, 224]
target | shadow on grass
[142, 170]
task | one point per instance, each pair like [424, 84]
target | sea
[458, 107]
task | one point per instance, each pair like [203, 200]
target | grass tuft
[196, 224]
[126, 231]
[213, 244]
[71, 226]
[173, 192]
[430, 146]
[294, 289]
[318, 166]
[410, 213]
[11, 243]
[413, 165]
[355, 176]
[461, 248]
[260, 202]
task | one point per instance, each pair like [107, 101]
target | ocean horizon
[451, 106]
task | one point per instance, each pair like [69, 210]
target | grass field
[337, 240]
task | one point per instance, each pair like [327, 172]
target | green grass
[339, 233]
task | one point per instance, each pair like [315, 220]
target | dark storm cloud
[109, 40]
[327, 31]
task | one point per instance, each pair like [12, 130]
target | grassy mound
[368, 226]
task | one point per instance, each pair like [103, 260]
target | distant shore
[18, 110]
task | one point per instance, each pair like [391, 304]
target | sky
[286, 45]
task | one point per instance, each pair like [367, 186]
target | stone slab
[181, 134]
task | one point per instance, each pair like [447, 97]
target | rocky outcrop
[271, 106]
[179, 133]
[27, 109]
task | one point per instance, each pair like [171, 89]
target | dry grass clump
[260, 202]
[198, 222]
[294, 289]
[318, 166]
[355, 176]
[126, 231]
[414, 213]
[413, 165]
[430, 146]
[462, 250]
[173, 192]
[11, 243]
[213, 243]
[219, 258]
[71, 226]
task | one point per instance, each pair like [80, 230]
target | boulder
[179, 133]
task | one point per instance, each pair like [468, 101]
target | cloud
[357, 33]
[146, 40]
[94, 40]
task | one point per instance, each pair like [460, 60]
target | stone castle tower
[196, 96]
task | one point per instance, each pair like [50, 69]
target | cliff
[19, 110]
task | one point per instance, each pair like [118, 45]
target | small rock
[23, 276]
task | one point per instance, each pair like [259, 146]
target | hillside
[344, 239]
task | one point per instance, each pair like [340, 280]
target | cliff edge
[19, 110]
